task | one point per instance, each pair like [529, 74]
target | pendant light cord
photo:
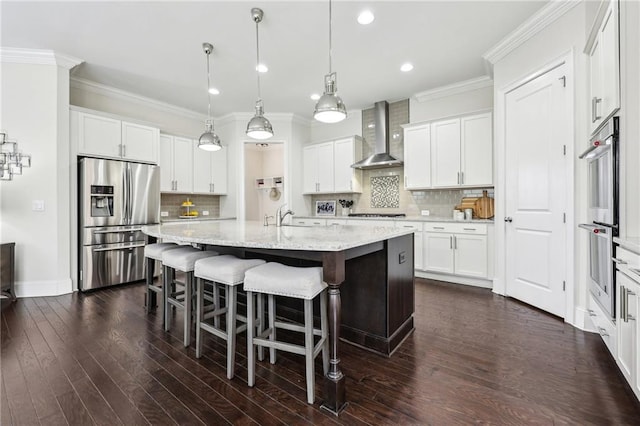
[330, 46]
[258, 60]
[208, 90]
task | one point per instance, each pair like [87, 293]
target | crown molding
[536, 23]
[454, 89]
[111, 92]
[17, 55]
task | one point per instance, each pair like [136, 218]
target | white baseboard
[43, 288]
[583, 320]
[477, 282]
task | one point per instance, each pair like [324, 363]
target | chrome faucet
[280, 216]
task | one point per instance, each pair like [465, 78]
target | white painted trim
[535, 24]
[582, 320]
[111, 92]
[595, 26]
[499, 283]
[454, 89]
[475, 282]
[43, 288]
[37, 57]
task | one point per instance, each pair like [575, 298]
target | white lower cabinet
[456, 248]
[627, 310]
[308, 222]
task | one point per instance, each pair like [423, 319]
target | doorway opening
[263, 179]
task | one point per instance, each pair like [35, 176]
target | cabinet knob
[508, 219]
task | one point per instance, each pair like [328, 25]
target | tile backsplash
[172, 204]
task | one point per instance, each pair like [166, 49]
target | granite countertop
[400, 219]
[630, 243]
[252, 234]
[195, 219]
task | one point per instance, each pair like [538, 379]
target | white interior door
[538, 124]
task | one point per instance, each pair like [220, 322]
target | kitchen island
[369, 270]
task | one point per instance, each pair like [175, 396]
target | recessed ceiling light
[262, 68]
[366, 17]
[406, 67]
[214, 91]
[315, 97]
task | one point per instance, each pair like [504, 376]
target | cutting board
[484, 206]
[468, 203]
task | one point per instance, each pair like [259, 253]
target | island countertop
[253, 234]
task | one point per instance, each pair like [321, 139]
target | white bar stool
[152, 253]
[298, 283]
[229, 272]
[181, 259]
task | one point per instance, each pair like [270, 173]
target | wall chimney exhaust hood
[381, 158]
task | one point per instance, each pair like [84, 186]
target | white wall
[564, 35]
[457, 104]
[35, 99]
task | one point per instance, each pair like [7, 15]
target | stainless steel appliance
[115, 199]
[603, 191]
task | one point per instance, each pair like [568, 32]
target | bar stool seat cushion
[184, 259]
[225, 269]
[283, 280]
[154, 251]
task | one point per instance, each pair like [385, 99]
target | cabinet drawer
[604, 326]
[309, 222]
[457, 228]
[336, 222]
[413, 225]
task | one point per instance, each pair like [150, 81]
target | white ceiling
[154, 49]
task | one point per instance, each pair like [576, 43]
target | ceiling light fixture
[209, 141]
[214, 91]
[406, 67]
[314, 96]
[330, 108]
[262, 68]
[366, 17]
[258, 127]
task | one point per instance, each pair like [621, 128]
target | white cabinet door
[308, 222]
[166, 163]
[595, 85]
[345, 153]
[219, 171]
[325, 176]
[417, 157]
[470, 255]
[201, 169]
[310, 169]
[626, 329]
[98, 136]
[610, 58]
[140, 142]
[445, 153]
[183, 164]
[438, 252]
[476, 150]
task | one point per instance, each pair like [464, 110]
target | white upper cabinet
[604, 64]
[346, 152]
[107, 137]
[209, 171]
[417, 156]
[176, 164]
[327, 166]
[462, 151]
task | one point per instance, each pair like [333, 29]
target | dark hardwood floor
[474, 358]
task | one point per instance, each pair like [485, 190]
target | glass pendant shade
[330, 108]
[259, 127]
[209, 141]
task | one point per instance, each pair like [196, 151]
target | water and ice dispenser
[101, 200]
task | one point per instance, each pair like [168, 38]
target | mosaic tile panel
[385, 192]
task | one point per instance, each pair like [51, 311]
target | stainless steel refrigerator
[115, 199]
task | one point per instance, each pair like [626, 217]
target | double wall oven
[603, 189]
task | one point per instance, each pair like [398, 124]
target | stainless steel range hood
[381, 158]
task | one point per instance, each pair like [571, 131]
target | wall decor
[326, 208]
[385, 192]
[11, 160]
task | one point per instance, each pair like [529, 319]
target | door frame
[499, 282]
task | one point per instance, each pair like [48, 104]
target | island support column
[333, 265]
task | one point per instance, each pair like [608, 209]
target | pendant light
[209, 141]
[258, 127]
[330, 108]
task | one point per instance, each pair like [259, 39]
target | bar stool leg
[151, 295]
[216, 304]
[231, 293]
[188, 302]
[324, 326]
[271, 300]
[167, 278]
[260, 324]
[251, 324]
[308, 348]
[199, 314]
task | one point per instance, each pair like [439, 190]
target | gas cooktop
[377, 214]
